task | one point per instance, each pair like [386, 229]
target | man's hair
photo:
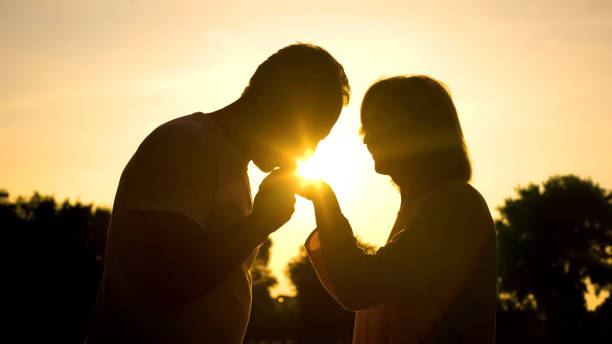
[422, 107]
[300, 69]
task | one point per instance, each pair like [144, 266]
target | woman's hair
[421, 109]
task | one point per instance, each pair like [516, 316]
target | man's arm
[184, 261]
[171, 254]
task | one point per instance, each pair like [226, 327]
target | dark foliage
[320, 319]
[270, 319]
[553, 238]
[55, 256]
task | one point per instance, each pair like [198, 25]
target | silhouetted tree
[519, 322]
[270, 320]
[320, 319]
[551, 239]
[54, 270]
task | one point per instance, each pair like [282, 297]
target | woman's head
[411, 128]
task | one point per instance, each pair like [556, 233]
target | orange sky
[84, 83]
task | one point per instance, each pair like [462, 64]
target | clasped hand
[274, 203]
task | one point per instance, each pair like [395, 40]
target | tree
[320, 318]
[552, 238]
[55, 271]
[269, 319]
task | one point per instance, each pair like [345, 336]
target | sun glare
[311, 169]
[333, 163]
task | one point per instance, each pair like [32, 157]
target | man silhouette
[184, 230]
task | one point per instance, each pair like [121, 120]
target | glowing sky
[82, 83]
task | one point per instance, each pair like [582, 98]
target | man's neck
[231, 122]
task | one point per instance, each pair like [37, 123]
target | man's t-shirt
[185, 166]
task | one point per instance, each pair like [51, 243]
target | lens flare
[334, 162]
[310, 169]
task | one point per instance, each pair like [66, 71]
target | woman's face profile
[383, 140]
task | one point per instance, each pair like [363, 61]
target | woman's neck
[414, 188]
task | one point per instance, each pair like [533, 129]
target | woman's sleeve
[435, 253]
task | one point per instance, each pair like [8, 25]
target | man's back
[186, 169]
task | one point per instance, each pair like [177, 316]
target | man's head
[294, 99]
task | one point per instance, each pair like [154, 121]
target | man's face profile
[293, 136]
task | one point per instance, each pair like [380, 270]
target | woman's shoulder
[452, 206]
[456, 196]
[456, 189]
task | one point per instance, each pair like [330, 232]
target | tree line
[554, 240]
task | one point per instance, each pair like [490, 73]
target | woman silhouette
[435, 279]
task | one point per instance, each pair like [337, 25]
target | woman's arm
[435, 253]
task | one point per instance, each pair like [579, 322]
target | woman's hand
[313, 190]
[323, 198]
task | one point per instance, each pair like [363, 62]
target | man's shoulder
[192, 130]
[190, 126]
[181, 138]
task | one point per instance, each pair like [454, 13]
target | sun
[311, 169]
[331, 163]
[337, 161]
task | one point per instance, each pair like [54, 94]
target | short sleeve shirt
[185, 166]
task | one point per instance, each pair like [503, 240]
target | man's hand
[275, 200]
